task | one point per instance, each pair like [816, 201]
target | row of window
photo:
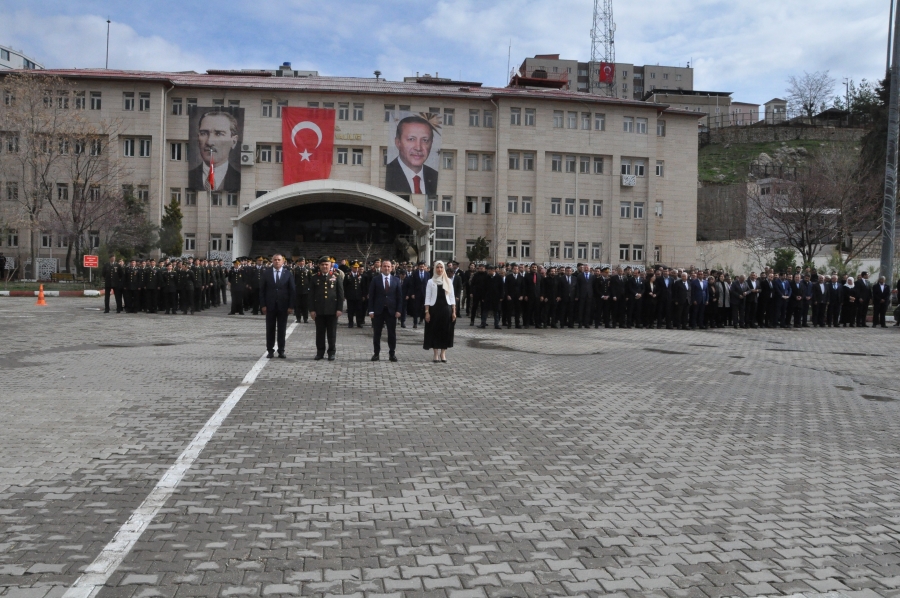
[11, 239]
[215, 242]
[63, 145]
[571, 251]
[217, 199]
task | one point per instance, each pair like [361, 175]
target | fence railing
[787, 119]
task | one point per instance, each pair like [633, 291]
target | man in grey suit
[276, 295]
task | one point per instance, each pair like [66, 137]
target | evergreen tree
[170, 239]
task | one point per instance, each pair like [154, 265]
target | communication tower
[603, 47]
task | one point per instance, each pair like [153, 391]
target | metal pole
[107, 42]
[887, 66]
[209, 221]
[889, 211]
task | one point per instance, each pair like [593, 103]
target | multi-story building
[543, 175]
[14, 59]
[631, 81]
[713, 107]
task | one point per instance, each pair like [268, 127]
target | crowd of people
[524, 296]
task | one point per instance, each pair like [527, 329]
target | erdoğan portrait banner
[307, 138]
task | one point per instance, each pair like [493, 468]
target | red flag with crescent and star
[307, 138]
[607, 72]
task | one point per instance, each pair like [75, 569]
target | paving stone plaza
[535, 463]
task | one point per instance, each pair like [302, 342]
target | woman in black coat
[848, 303]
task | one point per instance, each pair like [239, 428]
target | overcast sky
[748, 47]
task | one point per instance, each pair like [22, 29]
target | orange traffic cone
[41, 300]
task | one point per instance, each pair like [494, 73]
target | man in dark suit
[699, 300]
[738, 294]
[681, 300]
[635, 294]
[566, 290]
[584, 295]
[217, 137]
[781, 316]
[276, 296]
[752, 301]
[664, 289]
[549, 298]
[819, 300]
[881, 298]
[513, 300]
[407, 173]
[532, 293]
[494, 284]
[864, 295]
[833, 315]
[477, 289]
[766, 300]
[420, 277]
[385, 298]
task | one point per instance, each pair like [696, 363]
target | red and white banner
[607, 72]
[307, 138]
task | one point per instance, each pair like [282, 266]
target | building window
[568, 250]
[626, 166]
[177, 106]
[80, 100]
[216, 200]
[639, 167]
[12, 238]
[557, 119]
[514, 160]
[637, 253]
[596, 251]
[527, 161]
[231, 199]
[190, 198]
[624, 252]
[471, 161]
[658, 209]
[267, 108]
[229, 242]
[93, 239]
[96, 147]
[175, 195]
[584, 207]
[145, 148]
[144, 102]
[388, 108]
[312, 104]
[554, 250]
[584, 164]
[512, 204]
[598, 208]
[474, 118]
[641, 126]
[279, 154]
[279, 107]
[190, 242]
[665, 75]
[555, 205]
[384, 156]
[639, 210]
[572, 120]
[529, 117]
[342, 154]
[128, 100]
[215, 243]
[599, 122]
[660, 168]
[598, 165]
[570, 163]
[586, 121]
[582, 251]
[62, 242]
[358, 112]
[628, 124]
[62, 191]
[357, 157]
[525, 249]
[96, 100]
[515, 116]
[447, 160]
[471, 205]
[660, 128]
[191, 103]
[526, 205]
[657, 253]
[46, 240]
[449, 117]
[128, 148]
[489, 119]
[570, 206]
[234, 102]
[487, 162]
[343, 111]
[446, 203]
[264, 153]
[512, 249]
[625, 209]
[678, 77]
[485, 205]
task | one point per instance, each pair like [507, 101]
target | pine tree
[170, 239]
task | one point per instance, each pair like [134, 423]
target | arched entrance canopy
[323, 191]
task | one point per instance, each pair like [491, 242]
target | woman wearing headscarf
[440, 313]
[848, 303]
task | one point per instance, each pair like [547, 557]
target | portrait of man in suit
[414, 143]
[214, 139]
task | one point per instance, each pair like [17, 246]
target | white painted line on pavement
[98, 573]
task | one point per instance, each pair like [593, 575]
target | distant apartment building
[631, 82]
[744, 113]
[715, 106]
[14, 59]
[776, 111]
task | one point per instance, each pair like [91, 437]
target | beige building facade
[544, 175]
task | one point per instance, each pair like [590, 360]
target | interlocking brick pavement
[536, 463]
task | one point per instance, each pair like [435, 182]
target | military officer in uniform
[236, 280]
[133, 287]
[353, 293]
[112, 274]
[169, 285]
[326, 304]
[301, 278]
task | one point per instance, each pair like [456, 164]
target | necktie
[387, 283]
[277, 272]
[534, 278]
[416, 180]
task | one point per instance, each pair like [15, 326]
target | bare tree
[810, 92]
[830, 200]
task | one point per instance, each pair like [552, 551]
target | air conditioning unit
[247, 158]
[246, 147]
[629, 180]
[245, 207]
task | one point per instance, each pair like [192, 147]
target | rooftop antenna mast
[603, 47]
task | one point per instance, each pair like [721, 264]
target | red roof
[322, 84]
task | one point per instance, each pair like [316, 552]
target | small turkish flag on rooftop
[307, 138]
[607, 72]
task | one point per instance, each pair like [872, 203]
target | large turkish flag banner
[607, 72]
[307, 139]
